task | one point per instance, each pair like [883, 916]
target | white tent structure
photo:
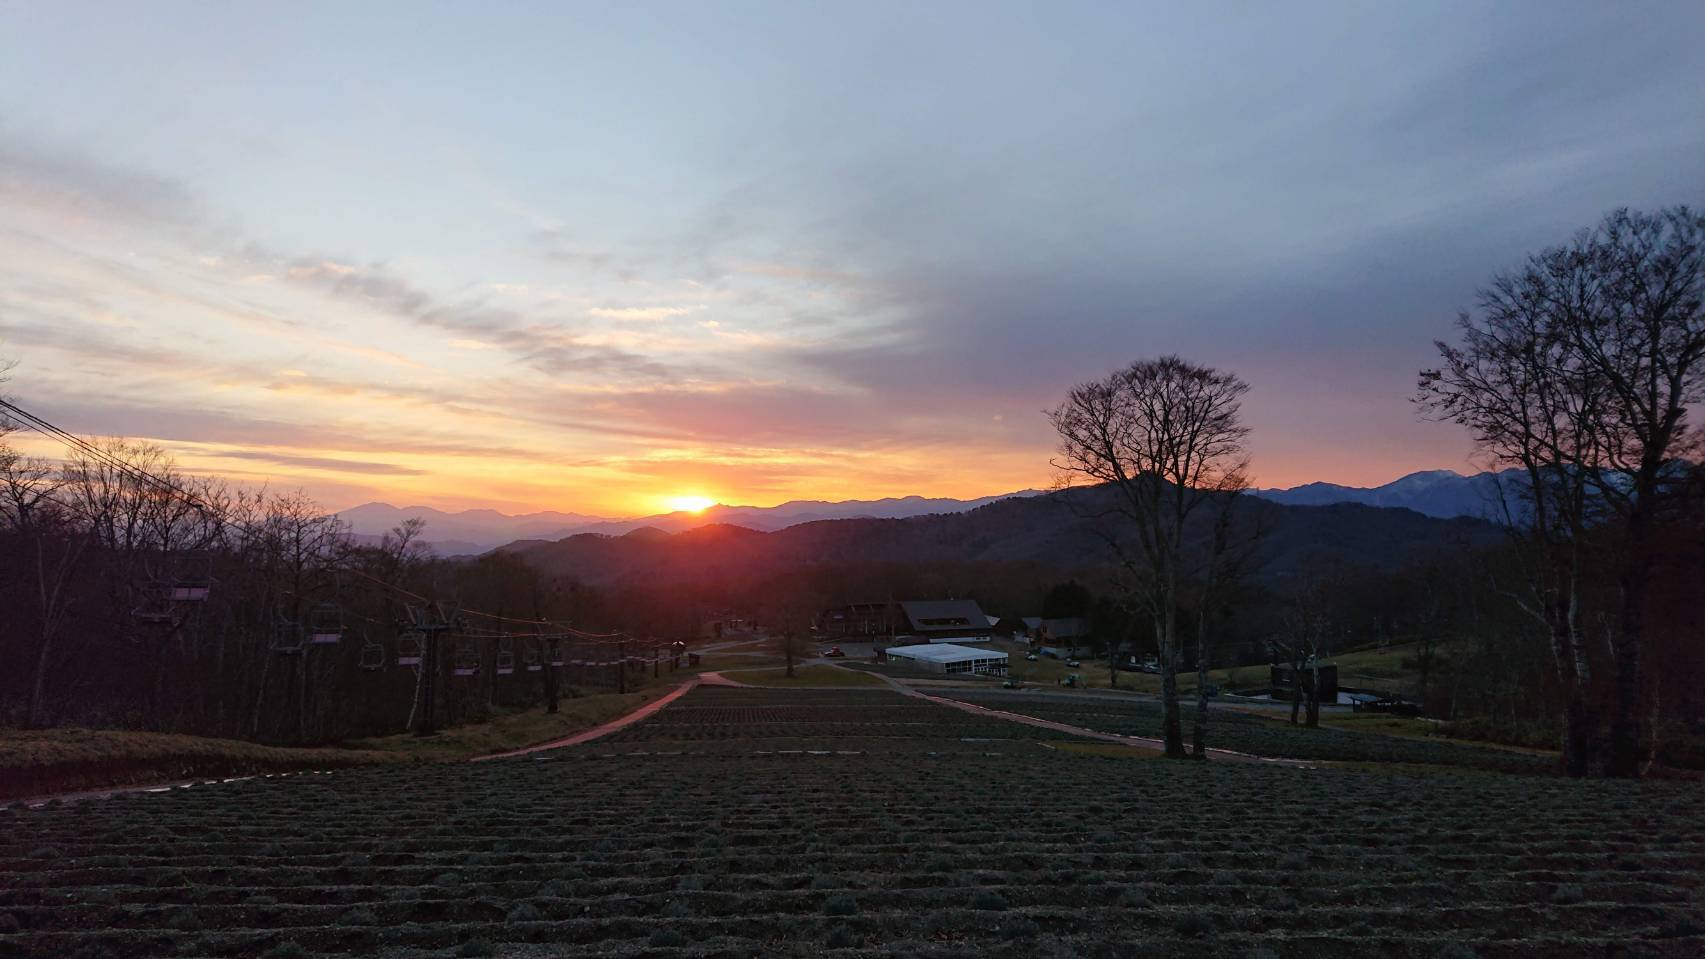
[949, 658]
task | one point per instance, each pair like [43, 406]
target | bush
[691, 884]
[821, 882]
[840, 906]
[677, 909]
[288, 949]
[989, 900]
[841, 937]
[525, 912]
[1568, 894]
[476, 948]
[1133, 898]
[359, 916]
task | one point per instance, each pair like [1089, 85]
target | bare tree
[1166, 437]
[1580, 369]
[1227, 557]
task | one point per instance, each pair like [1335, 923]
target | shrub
[1133, 897]
[840, 906]
[476, 948]
[1455, 950]
[989, 900]
[288, 949]
[821, 882]
[841, 937]
[667, 939]
[1568, 894]
[525, 912]
[691, 884]
[677, 909]
[360, 916]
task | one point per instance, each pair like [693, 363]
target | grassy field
[816, 675]
[1375, 669]
[39, 762]
[861, 823]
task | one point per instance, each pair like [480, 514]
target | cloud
[319, 463]
[642, 312]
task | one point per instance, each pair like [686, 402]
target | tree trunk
[1314, 693]
[1199, 737]
[1578, 735]
[1171, 725]
[1623, 758]
[550, 677]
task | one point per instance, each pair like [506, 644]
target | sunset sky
[598, 258]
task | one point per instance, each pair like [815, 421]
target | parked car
[1073, 663]
[833, 652]
[1031, 657]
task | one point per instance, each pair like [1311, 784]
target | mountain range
[479, 530]
[1050, 529]
[1438, 493]
[1441, 494]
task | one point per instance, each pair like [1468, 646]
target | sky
[599, 258]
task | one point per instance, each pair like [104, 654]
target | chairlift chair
[194, 581]
[505, 657]
[372, 656]
[325, 624]
[467, 662]
[156, 609]
[410, 646]
[530, 658]
[287, 635]
[556, 655]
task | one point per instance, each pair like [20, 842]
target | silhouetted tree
[1580, 368]
[1166, 436]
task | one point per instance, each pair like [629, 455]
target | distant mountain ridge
[1442, 494]
[1050, 530]
[479, 530]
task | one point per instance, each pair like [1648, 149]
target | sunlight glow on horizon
[689, 504]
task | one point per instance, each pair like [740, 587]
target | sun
[690, 504]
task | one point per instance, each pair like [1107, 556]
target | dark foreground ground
[768, 822]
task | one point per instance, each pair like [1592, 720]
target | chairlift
[287, 635]
[467, 662]
[505, 657]
[410, 646]
[156, 609]
[530, 658]
[556, 655]
[372, 656]
[325, 624]
[194, 581]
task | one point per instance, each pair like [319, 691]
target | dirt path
[1229, 755]
[643, 712]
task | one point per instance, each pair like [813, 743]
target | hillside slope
[1043, 529]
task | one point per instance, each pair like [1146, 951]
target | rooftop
[944, 653]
